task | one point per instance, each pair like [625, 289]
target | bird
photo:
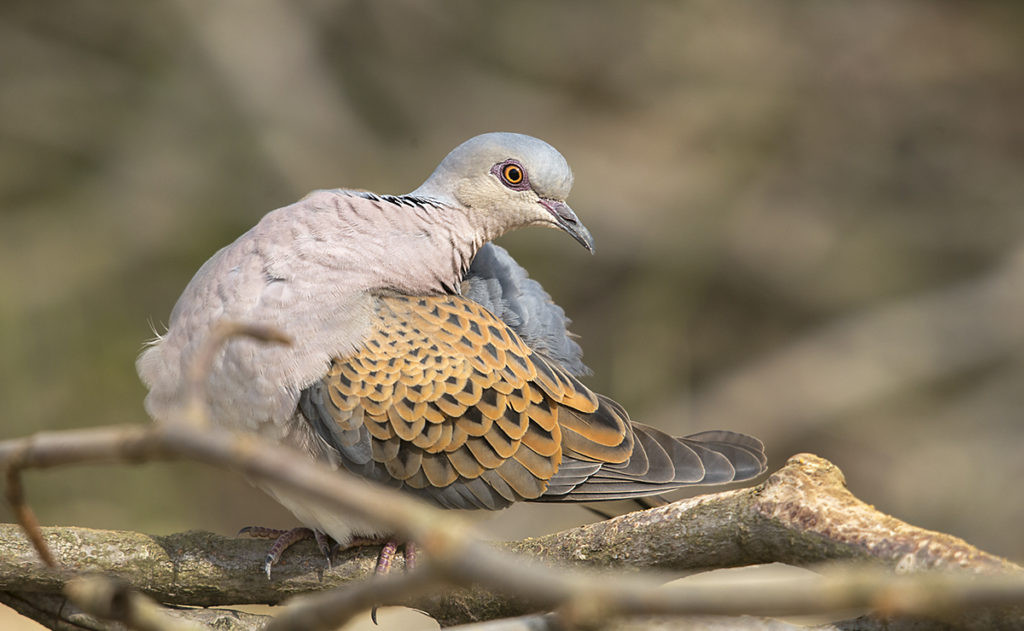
[423, 357]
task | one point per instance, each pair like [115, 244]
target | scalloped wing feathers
[446, 400]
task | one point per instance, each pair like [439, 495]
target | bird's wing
[444, 399]
[447, 401]
[503, 287]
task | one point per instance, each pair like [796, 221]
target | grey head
[507, 180]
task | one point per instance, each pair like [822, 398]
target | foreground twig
[115, 600]
[23, 512]
[194, 409]
[803, 513]
[54, 611]
[551, 622]
[325, 610]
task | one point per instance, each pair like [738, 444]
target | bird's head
[508, 180]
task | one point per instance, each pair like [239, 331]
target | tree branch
[802, 514]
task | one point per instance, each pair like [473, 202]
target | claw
[284, 539]
[324, 543]
[410, 556]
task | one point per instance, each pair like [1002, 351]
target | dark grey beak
[568, 221]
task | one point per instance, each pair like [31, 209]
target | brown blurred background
[809, 216]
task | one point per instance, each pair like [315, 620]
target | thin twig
[54, 611]
[195, 410]
[532, 622]
[331, 609]
[843, 589]
[23, 512]
[116, 600]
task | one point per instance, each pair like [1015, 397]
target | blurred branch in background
[867, 356]
[259, 49]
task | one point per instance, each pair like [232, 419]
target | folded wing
[445, 400]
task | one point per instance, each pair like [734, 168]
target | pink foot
[387, 553]
[284, 539]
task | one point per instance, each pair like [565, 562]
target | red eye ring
[512, 173]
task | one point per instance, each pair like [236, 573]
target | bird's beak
[568, 221]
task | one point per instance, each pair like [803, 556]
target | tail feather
[746, 453]
[660, 463]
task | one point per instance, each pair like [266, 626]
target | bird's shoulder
[451, 338]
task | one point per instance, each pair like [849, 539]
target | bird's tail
[660, 463]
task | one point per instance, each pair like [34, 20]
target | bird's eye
[512, 174]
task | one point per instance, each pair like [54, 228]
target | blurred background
[809, 216]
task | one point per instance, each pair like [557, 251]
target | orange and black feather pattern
[445, 400]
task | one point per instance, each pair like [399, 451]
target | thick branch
[802, 514]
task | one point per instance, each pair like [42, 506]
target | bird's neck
[420, 245]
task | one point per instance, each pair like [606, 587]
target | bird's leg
[324, 543]
[387, 552]
[410, 556]
[284, 539]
